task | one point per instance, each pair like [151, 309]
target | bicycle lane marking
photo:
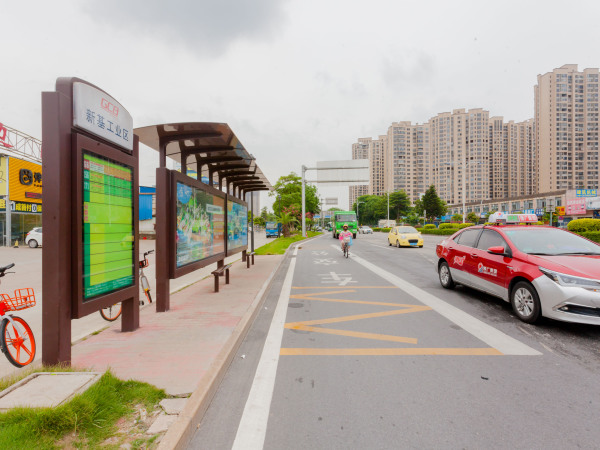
[482, 331]
[253, 424]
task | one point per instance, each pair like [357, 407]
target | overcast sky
[298, 81]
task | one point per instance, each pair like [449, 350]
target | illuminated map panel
[108, 231]
[237, 225]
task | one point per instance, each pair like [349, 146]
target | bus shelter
[199, 221]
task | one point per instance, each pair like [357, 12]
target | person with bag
[345, 237]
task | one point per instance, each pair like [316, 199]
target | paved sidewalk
[187, 349]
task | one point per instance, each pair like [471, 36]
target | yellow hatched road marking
[337, 287]
[357, 334]
[409, 309]
[390, 352]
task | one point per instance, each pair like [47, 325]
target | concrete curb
[180, 433]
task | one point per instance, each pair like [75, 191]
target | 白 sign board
[98, 113]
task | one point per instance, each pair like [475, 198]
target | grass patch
[85, 421]
[281, 244]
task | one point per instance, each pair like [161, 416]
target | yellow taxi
[405, 236]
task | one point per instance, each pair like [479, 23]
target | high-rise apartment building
[566, 127]
[460, 155]
[377, 152]
[360, 150]
[407, 159]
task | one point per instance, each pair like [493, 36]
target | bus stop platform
[186, 350]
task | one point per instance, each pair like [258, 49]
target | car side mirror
[498, 250]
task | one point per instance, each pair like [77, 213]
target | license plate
[414, 245]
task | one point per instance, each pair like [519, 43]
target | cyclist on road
[345, 234]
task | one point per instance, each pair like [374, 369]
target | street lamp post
[278, 226]
[357, 209]
[388, 209]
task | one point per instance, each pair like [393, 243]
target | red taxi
[540, 270]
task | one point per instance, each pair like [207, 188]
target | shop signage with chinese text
[25, 180]
[98, 113]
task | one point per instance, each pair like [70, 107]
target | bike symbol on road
[341, 279]
[320, 253]
[326, 261]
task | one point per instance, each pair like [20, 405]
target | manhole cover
[295, 305]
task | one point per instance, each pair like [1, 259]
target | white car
[34, 237]
[365, 230]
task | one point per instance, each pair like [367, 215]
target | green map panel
[108, 259]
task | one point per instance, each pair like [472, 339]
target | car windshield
[407, 230]
[550, 241]
[345, 217]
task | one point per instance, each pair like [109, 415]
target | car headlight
[403, 236]
[571, 281]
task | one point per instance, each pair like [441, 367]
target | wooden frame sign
[105, 226]
[237, 225]
[198, 220]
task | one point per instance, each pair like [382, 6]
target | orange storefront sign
[25, 180]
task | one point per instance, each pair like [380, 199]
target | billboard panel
[3, 175]
[108, 228]
[237, 225]
[25, 181]
[200, 224]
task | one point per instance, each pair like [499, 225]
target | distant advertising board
[237, 225]
[575, 207]
[3, 175]
[586, 192]
[25, 180]
[200, 225]
[98, 113]
[108, 230]
[592, 203]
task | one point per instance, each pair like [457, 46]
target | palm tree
[287, 220]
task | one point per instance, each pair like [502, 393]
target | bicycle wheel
[111, 313]
[18, 343]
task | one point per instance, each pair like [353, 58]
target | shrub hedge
[465, 225]
[591, 235]
[429, 226]
[441, 232]
[447, 225]
[584, 225]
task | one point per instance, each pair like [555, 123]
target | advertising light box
[237, 226]
[108, 228]
[200, 224]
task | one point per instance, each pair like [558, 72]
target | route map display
[108, 230]
[200, 224]
[237, 225]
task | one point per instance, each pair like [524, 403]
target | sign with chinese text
[100, 114]
[200, 225]
[3, 133]
[529, 211]
[25, 181]
[108, 230]
[237, 225]
[575, 206]
[586, 192]
[560, 210]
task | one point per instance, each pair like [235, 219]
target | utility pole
[388, 215]
[303, 201]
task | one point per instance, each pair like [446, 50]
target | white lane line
[488, 334]
[253, 424]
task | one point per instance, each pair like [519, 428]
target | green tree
[287, 221]
[289, 189]
[399, 204]
[472, 217]
[431, 205]
[456, 218]
[259, 221]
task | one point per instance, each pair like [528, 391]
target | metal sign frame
[174, 271]
[241, 248]
[80, 306]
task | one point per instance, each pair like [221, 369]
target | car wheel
[390, 242]
[420, 246]
[398, 244]
[525, 302]
[445, 276]
[32, 243]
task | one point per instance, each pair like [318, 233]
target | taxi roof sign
[502, 217]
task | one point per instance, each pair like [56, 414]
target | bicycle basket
[347, 239]
[24, 298]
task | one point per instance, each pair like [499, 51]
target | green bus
[341, 218]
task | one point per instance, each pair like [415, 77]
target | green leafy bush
[447, 225]
[465, 225]
[579, 225]
[591, 235]
[440, 232]
[429, 226]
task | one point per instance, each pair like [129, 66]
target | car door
[491, 268]
[461, 260]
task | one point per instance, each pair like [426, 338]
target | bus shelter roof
[209, 148]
